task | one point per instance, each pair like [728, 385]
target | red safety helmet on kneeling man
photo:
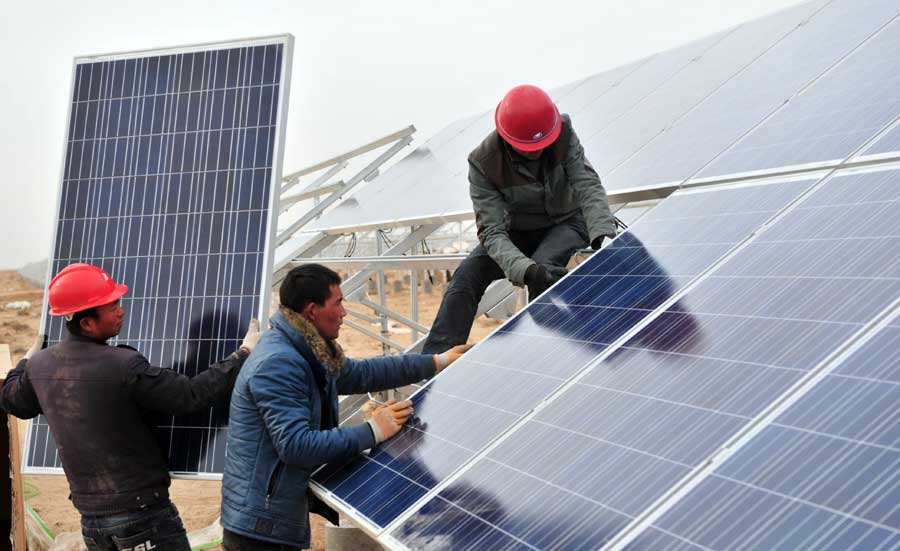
[527, 118]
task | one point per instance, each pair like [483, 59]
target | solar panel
[747, 98]
[824, 474]
[830, 120]
[431, 183]
[613, 144]
[889, 143]
[600, 100]
[460, 412]
[605, 449]
[171, 160]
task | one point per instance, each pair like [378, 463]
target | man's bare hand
[387, 420]
[442, 361]
[457, 351]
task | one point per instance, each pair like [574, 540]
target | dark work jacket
[98, 399]
[508, 197]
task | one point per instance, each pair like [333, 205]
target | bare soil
[198, 501]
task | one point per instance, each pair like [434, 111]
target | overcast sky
[361, 69]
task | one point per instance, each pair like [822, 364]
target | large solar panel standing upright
[169, 183]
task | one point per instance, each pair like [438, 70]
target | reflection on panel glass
[757, 91]
[610, 445]
[549, 342]
[832, 119]
[823, 475]
[166, 187]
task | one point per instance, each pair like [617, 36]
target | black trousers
[553, 245]
[237, 542]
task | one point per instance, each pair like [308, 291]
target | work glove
[442, 361]
[36, 346]
[539, 277]
[596, 244]
[387, 420]
[252, 337]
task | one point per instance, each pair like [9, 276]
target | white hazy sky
[361, 69]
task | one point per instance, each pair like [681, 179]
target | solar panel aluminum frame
[287, 40]
[384, 535]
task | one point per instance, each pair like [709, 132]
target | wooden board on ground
[12, 513]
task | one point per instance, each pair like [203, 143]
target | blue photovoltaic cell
[824, 475]
[756, 92]
[832, 119]
[606, 448]
[168, 169]
[461, 411]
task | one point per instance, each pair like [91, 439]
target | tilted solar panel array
[605, 297]
[823, 474]
[768, 93]
[689, 387]
[755, 92]
[171, 159]
[644, 418]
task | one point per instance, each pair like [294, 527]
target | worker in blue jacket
[284, 413]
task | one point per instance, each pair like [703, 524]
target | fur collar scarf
[329, 353]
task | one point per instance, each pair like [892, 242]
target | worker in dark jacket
[97, 399]
[537, 200]
[284, 413]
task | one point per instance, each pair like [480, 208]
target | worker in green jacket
[537, 200]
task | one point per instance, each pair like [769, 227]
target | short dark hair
[74, 325]
[305, 284]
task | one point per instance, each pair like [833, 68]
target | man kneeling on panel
[284, 413]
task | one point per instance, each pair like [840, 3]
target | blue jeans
[155, 528]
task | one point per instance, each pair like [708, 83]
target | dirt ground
[198, 501]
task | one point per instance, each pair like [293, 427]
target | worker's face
[327, 318]
[107, 324]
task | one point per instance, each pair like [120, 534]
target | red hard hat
[81, 287]
[527, 118]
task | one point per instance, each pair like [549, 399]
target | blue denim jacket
[275, 437]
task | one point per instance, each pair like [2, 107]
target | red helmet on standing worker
[527, 118]
[80, 287]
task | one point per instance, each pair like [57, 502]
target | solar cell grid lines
[460, 412]
[753, 94]
[889, 143]
[611, 145]
[171, 156]
[827, 122]
[825, 471]
[581, 470]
